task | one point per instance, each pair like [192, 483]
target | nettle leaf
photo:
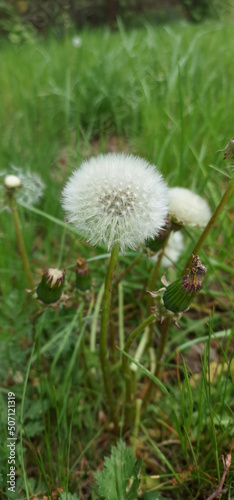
[119, 479]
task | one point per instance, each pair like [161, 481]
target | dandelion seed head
[31, 183]
[188, 208]
[76, 41]
[116, 198]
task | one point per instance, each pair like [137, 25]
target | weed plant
[165, 94]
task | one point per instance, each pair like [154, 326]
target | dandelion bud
[83, 278]
[50, 288]
[187, 208]
[179, 294]
[12, 182]
[229, 149]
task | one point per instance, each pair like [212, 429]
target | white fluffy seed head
[173, 249]
[116, 198]
[76, 41]
[31, 183]
[12, 182]
[188, 208]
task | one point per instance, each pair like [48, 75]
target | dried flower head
[31, 184]
[83, 277]
[229, 150]
[116, 198]
[187, 208]
[175, 298]
[179, 294]
[173, 249]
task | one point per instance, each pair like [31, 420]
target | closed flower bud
[83, 278]
[179, 294]
[229, 149]
[12, 182]
[50, 288]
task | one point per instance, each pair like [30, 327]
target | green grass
[166, 94]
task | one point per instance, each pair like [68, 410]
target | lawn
[164, 94]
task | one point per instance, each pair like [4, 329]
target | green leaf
[118, 470]
[153, 495]
[68, 496]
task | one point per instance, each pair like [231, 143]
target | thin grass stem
[126, 366]
[20, 241]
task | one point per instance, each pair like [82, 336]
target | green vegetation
[165, 94]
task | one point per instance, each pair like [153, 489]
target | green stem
[104, 331]
[164, 333]
[126, 367]
[136, 425]
[153, 284]
[127, 270]
[20, 241]
[115, 285]
[210, 224]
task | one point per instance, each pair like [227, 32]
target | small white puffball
[188, 208]
[76, 41]
[12, 182]
[173, 249]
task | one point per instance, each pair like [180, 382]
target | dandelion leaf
[119, 479]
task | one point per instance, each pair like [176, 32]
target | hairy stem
[104, 333]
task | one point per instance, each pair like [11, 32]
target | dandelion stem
[153, 284]
[20, 241]
[136, 425]
[164, 328]
[126, 367]
[210, 224]
[104, 332]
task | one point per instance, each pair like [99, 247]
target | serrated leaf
[117, 471]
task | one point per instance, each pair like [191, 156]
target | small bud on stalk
[229, 150]
[179, 294]
[12, 182]
[50, 288]
[83, 278]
